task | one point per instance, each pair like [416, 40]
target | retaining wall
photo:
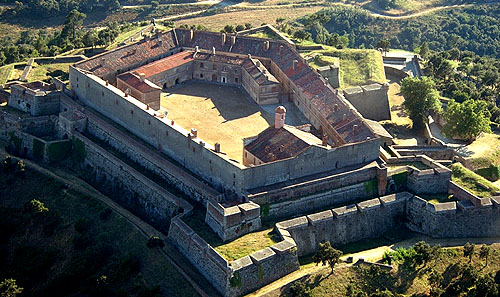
[371, 101]
[454, 219]
[129, 187]
[367, 219]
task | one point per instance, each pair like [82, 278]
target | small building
[140, 88]
[36, 98]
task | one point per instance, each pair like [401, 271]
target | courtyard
[221, 114]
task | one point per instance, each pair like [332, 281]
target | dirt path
[180, 263]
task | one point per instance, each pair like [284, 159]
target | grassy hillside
[449, 273]
[77, 246]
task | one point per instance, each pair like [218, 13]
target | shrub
[300, 289]
[37, 206]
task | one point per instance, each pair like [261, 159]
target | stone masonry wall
[454, 219]
[367, 219]
[136, 192]
[371, 101]
[151, 160]
[241, 276]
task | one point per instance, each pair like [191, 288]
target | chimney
[196, 49]
[266, 45]
[127, 91]
[147, 106]
[194, 132]
[172, 122]
[354, 128]
[217, 147]
[249, 56]
[324, 140]
[295, 64]
[257, 63]
[107, 83]
[233, 39]
[279, 117]
[344, 117]
[191, 35]
[223, 38]
[142, 77]
[213, 50]
[335, 107]
[165, 113]
[281, 48]
[103, 62]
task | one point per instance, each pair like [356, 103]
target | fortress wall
[174, 175]
[131, 188]
[371, 101]
[454, 219]
[174, 140]
[312, 186]
[308, 162]
[9, 123]
[428, 181]
[367, 219]
[318, 201]
[210, 263]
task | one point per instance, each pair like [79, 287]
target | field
[233, 250]
[220, 114]
[473, 182]
[407, 278]
[5, 73]
[256, 17]
[86, 247]
[401, 7]
[45, 71]
[484, 151]
[357, 67]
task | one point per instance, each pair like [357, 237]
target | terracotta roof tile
[135, 82]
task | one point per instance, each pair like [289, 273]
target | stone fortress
[314, 165]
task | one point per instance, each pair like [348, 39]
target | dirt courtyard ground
[220, 114]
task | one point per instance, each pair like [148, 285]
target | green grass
[438, 198]
[5, 72]
[78, 240]
[473, 182]
[357, 66]
[233, 250]
[46, 71]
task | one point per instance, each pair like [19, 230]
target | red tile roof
[164, 64]
[135, 82]
[276, 144]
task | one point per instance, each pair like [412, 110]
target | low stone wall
[429, 181]
[368, 219]
[464, 195]
[129, 187]
[391, 71]
[62, 59]
[232, 222]
[372, 101]
[241, 276]
[454, 219]
[149, 159]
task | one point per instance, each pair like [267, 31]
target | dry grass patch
[255, 17]
[219, 113]
[45, 71]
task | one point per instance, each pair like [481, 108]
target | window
[201, 65]
[235, 79]
[131, 111]
[214, 67]
[166, 133]
[201, 75]
[149, 122]
[88, 85]
[224, 68]
[235, 70]
[194, 150]
[102, 93]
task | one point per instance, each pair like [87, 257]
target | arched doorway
[176, 81]
[214, 77]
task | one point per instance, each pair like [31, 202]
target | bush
[300, 289]
[37, 206]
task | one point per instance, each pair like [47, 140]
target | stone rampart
[241, 276]
[454, 219]
[371, 101]
[149, 159]
[367, 219]
[464, 195]
[428, 181]
[129, 187]
[234, 221]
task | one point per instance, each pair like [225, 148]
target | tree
[421, 97]
[485, 287]
[229, 28]
[248, 26]
[466, 120]
[424, 252]
[301, 34]
[468, 251]
[37, 206]
[239, 28]
[424, 50]
[327, 255]
[484, 253]
[384, 44]
[74, 20]
[9, 288]
[300, 289]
